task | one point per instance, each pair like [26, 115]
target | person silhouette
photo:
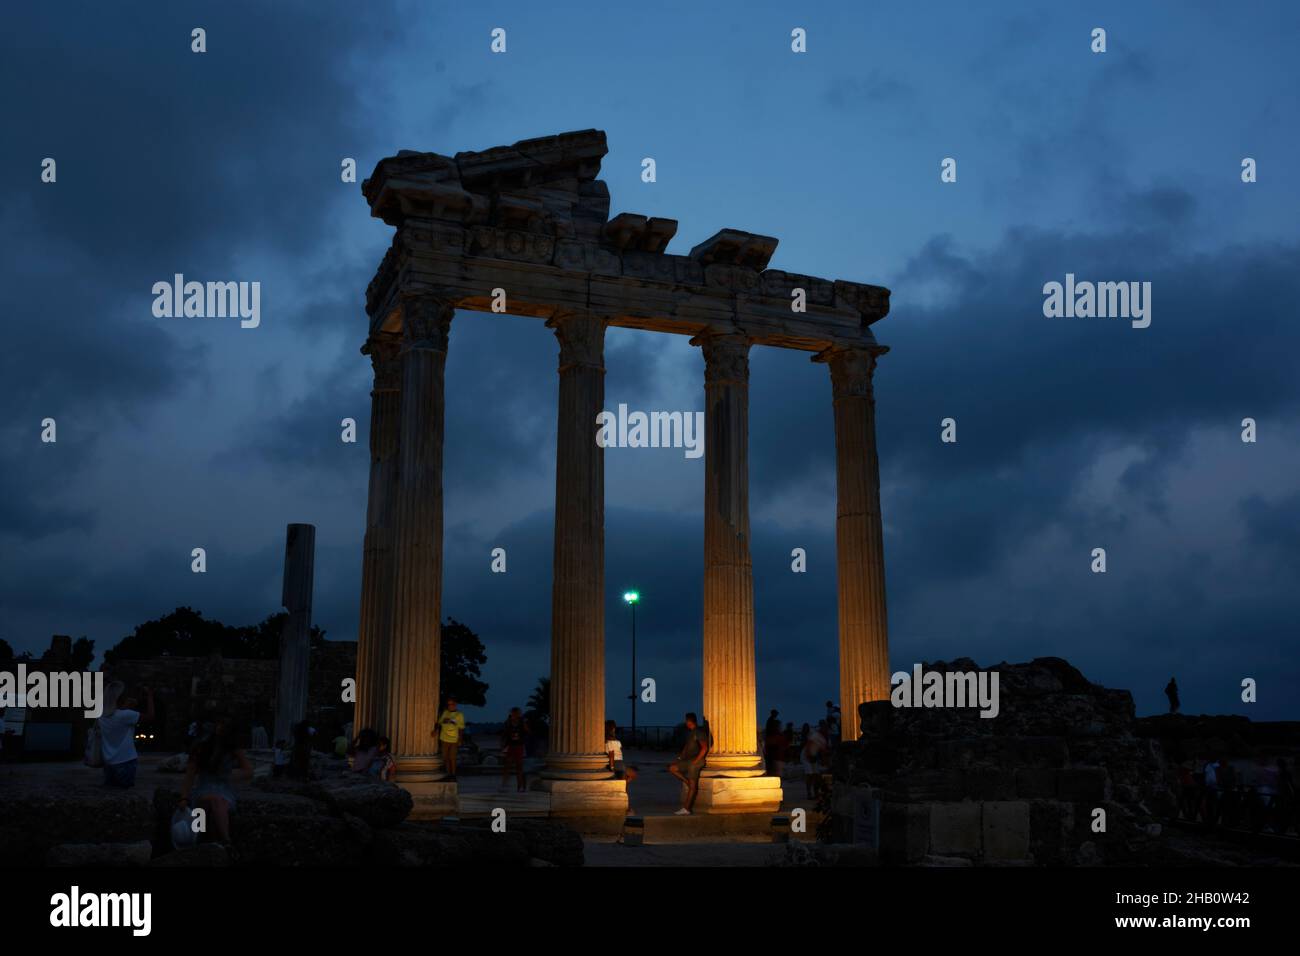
[1171, 691]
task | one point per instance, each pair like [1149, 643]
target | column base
[419, 768]
[738, 795]
[432, 800]
[733, 765]
[584, 797]
[577, 767]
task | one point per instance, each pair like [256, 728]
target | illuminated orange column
[859, 535]
[730, 703]
[415, 641]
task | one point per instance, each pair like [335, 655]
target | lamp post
[632, 597]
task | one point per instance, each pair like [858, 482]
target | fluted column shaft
[730, 703]
[376, 561]
[859, 536]
[577, 738]
[295, 638]
[414, 648]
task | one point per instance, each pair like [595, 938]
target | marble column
[577, 733]
[859, 538]
[730, 703]
[376, 563]
[411, 692]
[295, 638]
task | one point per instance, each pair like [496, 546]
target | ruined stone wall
[188, 688]
[1017, 788]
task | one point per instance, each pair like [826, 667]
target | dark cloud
[1073, 433]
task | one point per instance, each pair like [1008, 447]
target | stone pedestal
[738, 795]
[577, 738]
[729, 687]
[584, 798]
[432, 800]
[377, 555]
[859, 537]
[415, 643]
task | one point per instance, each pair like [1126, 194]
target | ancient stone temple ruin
[529, 224]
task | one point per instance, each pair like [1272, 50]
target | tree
[6, 652]
[83, 652]
[262, 641]
[539, 704]
[462, 655]
[186, 633]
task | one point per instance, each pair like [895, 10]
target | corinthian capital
[726, 358]
[426, 321]
[581, 337]
[384, 350]
[851, 370]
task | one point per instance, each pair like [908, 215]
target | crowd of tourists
[215, 761]
[810, 747]
[1259, 796]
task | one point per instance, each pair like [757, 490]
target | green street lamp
[632, 597]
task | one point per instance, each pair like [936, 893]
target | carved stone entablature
[587, 257]
[735, 278]
[543, 186]
[379, 286]
[733, 247]
[532, 219]
[780, 285]
[648, 265]
[629, 231]
[867, 299]
[511, 244]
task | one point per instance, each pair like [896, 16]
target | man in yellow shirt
[451, 724]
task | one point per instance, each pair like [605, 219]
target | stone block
[1083, 784]
[955, 829]
[1051, 827]
[280, 829]
[1006, 830]
[1031, 751]
[928, 786]
[584, 797]
[1035, 783]
[957, 755]
[989, 784]
[547, 840]
[377, 803]
[432, 800]
[738, 795]
[904, 832]
[420, 844]
[35, 816]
